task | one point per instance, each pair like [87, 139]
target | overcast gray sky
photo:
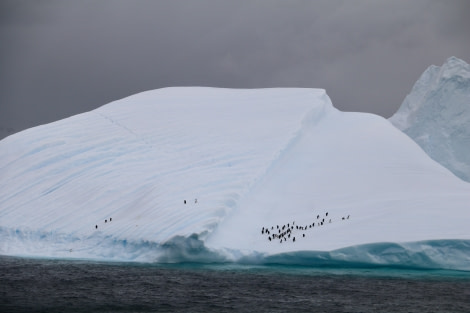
[60, 58]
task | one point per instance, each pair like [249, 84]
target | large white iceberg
[436, 114]
[111, 184]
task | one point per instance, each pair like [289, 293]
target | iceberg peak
[455, 68]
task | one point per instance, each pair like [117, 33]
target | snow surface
[436, 114]
[252, 159]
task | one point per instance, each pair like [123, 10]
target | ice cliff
[220, 175]
[436, 114]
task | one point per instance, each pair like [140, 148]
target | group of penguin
[110, 219]
[285, 232]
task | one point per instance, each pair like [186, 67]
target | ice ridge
[431, 254]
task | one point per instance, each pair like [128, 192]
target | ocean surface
[40, 285]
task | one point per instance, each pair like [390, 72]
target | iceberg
[261, 176]
[436, 115]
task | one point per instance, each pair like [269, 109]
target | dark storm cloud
[59, 58]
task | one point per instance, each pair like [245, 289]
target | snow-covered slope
[254, 160]
[436, 114]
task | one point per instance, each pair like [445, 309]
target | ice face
[436, 114]
[197, 174]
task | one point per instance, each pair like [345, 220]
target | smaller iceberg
[436, 115]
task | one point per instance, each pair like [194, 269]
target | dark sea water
[37, 285]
